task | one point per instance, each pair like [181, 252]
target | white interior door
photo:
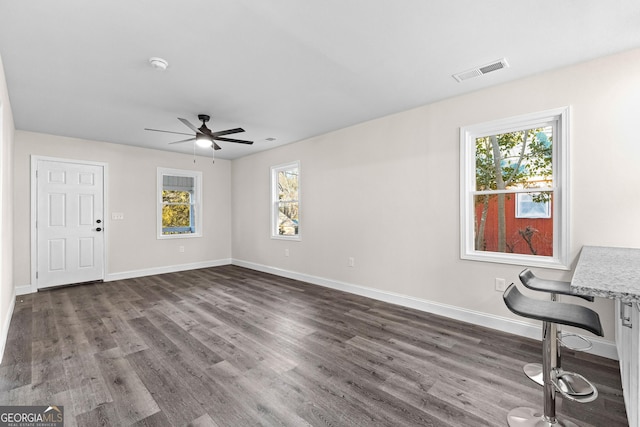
[69, 223]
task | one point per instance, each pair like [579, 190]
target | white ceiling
[284, 69]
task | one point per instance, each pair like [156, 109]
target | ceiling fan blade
[240, 141]
[189, 125]
[167, 131]
[184, 140]
[227, 132]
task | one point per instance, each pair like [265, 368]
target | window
[285, 201]
[179, 203]
[532, 205]
[514, 190]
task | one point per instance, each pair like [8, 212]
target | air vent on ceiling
[482, 70]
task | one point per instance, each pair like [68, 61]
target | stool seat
[532, 282]
[554, 312]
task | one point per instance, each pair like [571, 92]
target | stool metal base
[529, 417]
[534, 372]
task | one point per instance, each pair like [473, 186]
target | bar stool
[550, 313]
[571, 384]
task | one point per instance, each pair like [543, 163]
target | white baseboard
[110, 277]
[5, 326]
[25, 289]
[600, 347]
[163, 270]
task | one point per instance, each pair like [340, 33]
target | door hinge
[36, 274]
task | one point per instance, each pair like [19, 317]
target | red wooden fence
[539, 231]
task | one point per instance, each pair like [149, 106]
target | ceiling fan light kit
[203, 141]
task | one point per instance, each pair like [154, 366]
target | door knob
[99, 221]
[98, 229]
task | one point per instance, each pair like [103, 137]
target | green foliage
[524, 156]
[176, 209]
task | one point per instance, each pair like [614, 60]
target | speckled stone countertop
[608, 272]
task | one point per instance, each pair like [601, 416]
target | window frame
[559, 117]
[196, 212]
[275, 202]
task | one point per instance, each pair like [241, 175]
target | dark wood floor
[228, 346]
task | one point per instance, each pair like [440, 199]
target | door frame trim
[34, 210]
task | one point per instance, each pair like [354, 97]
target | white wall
[7, 292]
[387, 191]
[132, 247]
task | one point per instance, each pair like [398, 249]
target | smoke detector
[482, 70]
[158, 63]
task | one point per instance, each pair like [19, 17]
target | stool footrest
[571, 385]
[588, 344]
[574, 386]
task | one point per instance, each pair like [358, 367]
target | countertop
[608, 272]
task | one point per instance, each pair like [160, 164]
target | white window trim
[197, 178]
[560, 205]
[274, 201]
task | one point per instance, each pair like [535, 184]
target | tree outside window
[179, 203]
[514, 190]
[177, 212]
[285, 183]
[515, 161]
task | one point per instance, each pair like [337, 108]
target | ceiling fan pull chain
[213, 154]
[194, 152]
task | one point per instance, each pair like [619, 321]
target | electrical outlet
[351, 262]
[501, 285]
[286, 252]
[180, 248]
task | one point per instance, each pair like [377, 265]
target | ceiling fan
[204, 137]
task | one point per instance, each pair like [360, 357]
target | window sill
[516, 259]
[291, 238]
[179, 236]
